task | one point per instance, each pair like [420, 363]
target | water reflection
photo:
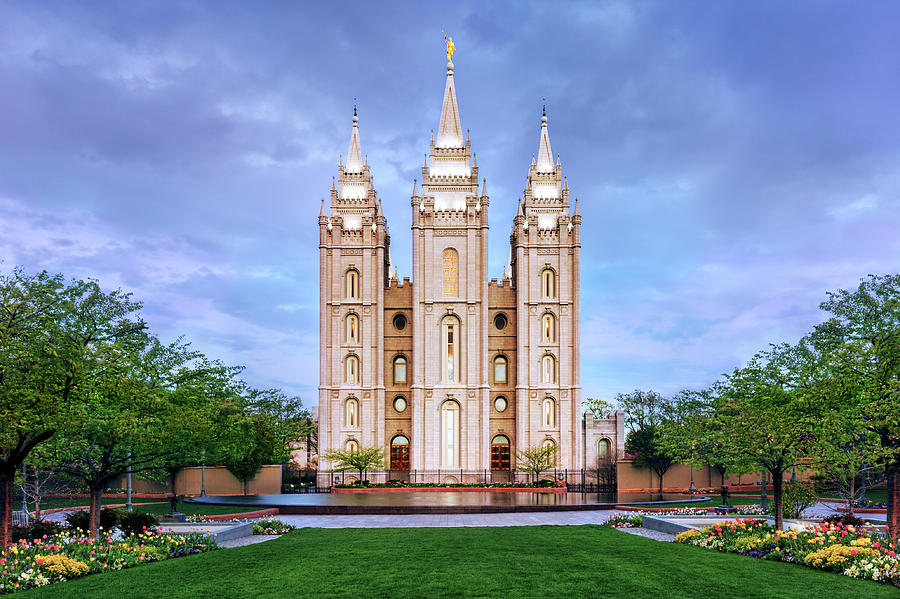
[445, 499]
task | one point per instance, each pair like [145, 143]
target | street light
[692, 488]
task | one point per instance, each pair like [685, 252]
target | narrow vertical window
[399, 369]
[548, 412]
[352, 413]
[352, 370]
[450, 349]
[351, 280]
[548, 283]
[548, 328]
[548, 369]
[351, 446]
[450, 434]
[451, 273]
[550, 446]
[352, 328]
[500, 369]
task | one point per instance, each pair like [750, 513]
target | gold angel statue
[451, 48]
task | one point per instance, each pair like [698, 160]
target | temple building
[450, 372]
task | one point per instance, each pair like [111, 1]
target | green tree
[863, 338]
[130, 418]
[56, 337]
[534, 460]
[648, 451]
[644, 409]
[767, 412]
[600, 407]
[361, 460]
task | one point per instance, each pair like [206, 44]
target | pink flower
[853, 552]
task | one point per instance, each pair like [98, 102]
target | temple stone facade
[452, 373]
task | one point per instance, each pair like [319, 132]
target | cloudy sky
[733, 160]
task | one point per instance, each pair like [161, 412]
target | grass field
[545, 561]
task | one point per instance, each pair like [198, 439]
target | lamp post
[863, 491]
[794, 473]
[692, 489]
[203, 475]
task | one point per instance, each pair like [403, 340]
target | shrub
[796, 497]
[134, 523]
[624, 521]
[36, 530]
[845, 519]
[81, 519]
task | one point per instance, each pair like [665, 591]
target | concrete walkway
[431, 520]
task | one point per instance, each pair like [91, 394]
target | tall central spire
[449, 131]
[544, 155]
[354, 154]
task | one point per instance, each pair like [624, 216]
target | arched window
[450, 349]
[399, 453]
[399, 369]
[451, 273]
[352, 328]
[603, 448]
[500, 364]
[351, 417]
[548, 412]
[352, 370]
[548, 283]
[500, 453]
[351, 284]
[548, 369]
[450, 434]
[550, 446]
[351, 446]
[548, 328]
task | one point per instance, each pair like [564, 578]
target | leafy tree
[766, 412]
[534, 460]
[55, 338]
[863, 338]
[648, 451]
[644, 409]
[361, 460]
[600, 407]
[131, 418]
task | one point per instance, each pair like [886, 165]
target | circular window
[399, 403]
[399, 322]
[500, 321]
[500, 403]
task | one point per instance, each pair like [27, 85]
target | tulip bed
[828, 546]
[40, 562]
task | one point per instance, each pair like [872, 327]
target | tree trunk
[851, 497]
[6, 490]
[777, 487]
[96, 502]
[893, 501]
[660, 482]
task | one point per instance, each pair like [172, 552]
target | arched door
[400, 453]
[500, 453]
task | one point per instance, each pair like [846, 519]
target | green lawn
[545, 561]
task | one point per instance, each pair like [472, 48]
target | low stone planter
[225, 531]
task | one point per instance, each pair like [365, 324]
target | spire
[449, 131]
[484, 187]
[415, 188]
[544, 155]
[322, 208]
[354, 154]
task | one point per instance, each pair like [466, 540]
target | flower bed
[40, 562]
[271, 526]
[826, 546]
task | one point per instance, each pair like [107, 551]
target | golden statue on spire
[451, 47]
